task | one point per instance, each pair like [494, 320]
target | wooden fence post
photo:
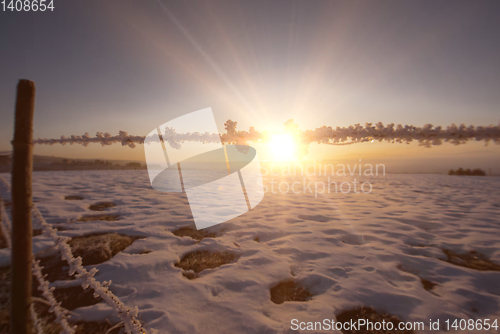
[22, 168]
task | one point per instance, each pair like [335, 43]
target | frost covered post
[22, 167]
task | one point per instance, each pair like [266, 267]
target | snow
[345, 248]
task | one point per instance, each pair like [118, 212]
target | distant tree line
[134, 164]
[461, 171]
[84, 162]
[96, 162]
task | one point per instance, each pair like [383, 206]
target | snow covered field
[348, 250]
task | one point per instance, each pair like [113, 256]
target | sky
[105, 66]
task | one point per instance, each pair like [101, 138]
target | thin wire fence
[428, 135]
[127, 315]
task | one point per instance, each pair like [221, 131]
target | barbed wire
[47, 292]
[36, 320]
[427, 136]
[5, 226]
[126, 314]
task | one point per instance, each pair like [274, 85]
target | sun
[282, 147]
